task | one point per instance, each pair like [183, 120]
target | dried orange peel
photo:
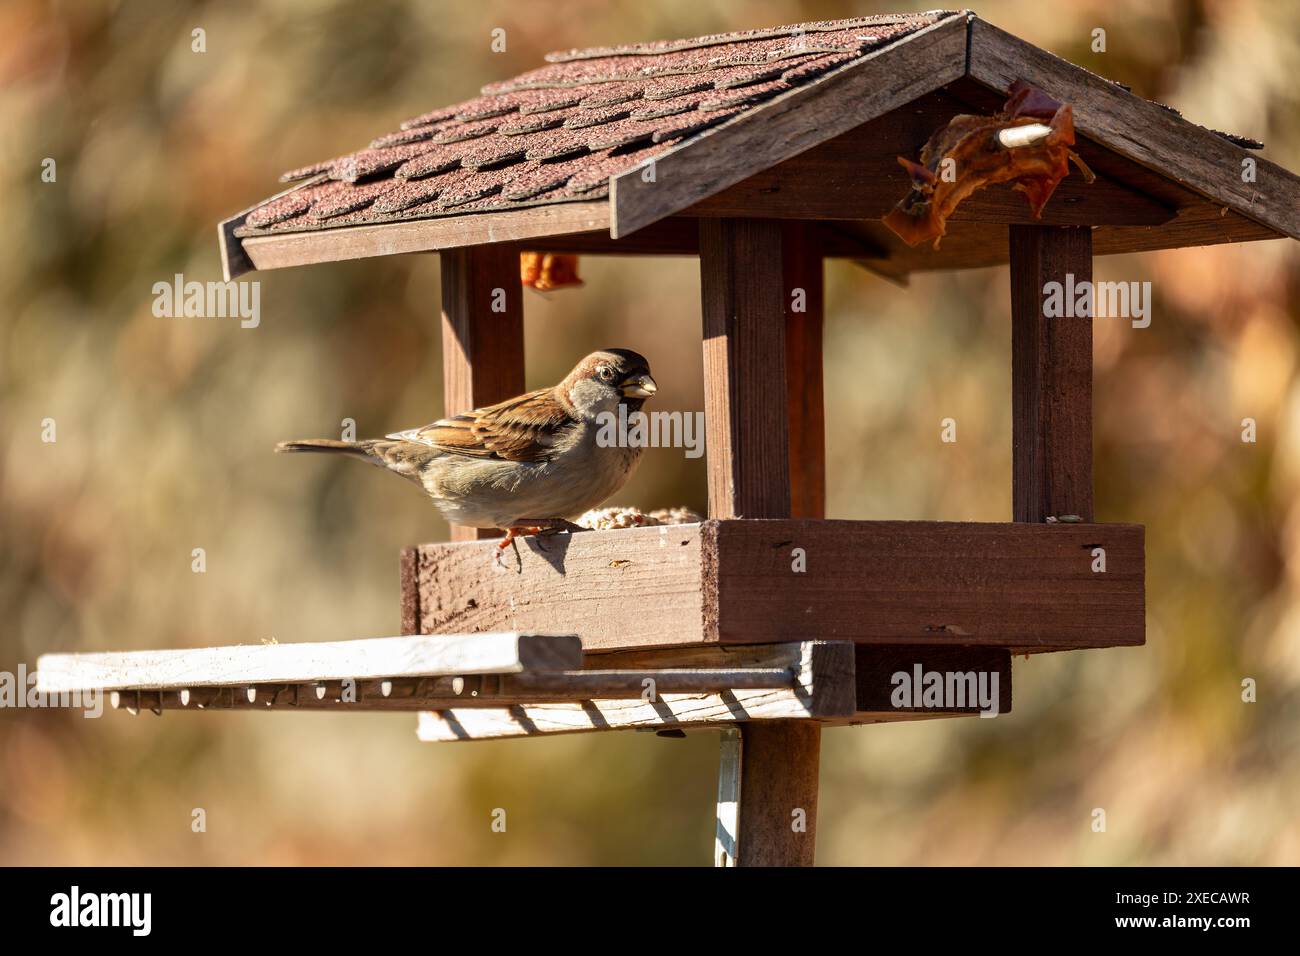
[1026, 144]
[545, 271]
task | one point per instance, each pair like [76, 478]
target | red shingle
[559, 132]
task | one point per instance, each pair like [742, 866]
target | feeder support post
[746, 293]
[482, 334]
[1051, 375]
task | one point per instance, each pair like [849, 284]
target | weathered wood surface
[779, 771]
[641, 583]
[727, 827]
[482, 335]
[1051, 377]
[469, 691]
[745, 403]
[824, 689]
[379, 657]
[801, 249]
[857, 176]
[424, 235]
[1027, 587]
[1141, 130]
[883, 80]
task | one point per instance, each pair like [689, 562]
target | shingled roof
[558, 133]
[801, 122]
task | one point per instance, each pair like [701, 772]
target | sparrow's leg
[536, 526]
[551, 525]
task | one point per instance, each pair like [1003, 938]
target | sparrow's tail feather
[360, 449]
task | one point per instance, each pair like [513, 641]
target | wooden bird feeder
[762, 154]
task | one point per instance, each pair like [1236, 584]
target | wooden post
[803, 265]
[482, 334]
[744, 292]
[1051, 377]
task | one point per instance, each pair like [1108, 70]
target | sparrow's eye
[606, 373]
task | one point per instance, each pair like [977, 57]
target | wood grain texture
[482, 335]
[1051, 377]
[857, 176]
[378, 657]
[796, 121]
[630, 587]
[746, 421]
[460, 692]
[424, 235]
[805, 391]
[825, 690]
[779, 771]
[1142, 130]
[1023, 587]
[1026, 587]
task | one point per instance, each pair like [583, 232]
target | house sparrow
[528, 464]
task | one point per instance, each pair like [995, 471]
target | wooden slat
[881, 81]
[424, 235]
[600, 583]
[474, 691]
[1027, 587]
[1051, 377]
[1142, 130]
[1022, 587]
[825, 690]
[727, 827]
[482, 335]
[747, 430]
[379, 657]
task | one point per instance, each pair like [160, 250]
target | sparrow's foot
[551, 525]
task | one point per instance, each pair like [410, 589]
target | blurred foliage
[165, 428]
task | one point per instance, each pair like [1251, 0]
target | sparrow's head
[605, 379]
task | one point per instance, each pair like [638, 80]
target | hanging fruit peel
[545, 271]
[980, 159]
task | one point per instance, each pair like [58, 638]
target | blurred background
[165, 429]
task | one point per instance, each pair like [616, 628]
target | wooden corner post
[1051, 376]
[747, 413]
[482, 334]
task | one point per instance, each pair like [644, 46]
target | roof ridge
[653, 47]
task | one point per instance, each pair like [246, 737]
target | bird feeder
[762, 154]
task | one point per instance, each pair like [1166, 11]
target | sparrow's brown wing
[525, 428]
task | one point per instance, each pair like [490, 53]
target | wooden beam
[378, 657]
[1051, 377]
[743, 281]
[1141, 130]
[280, 250]
[747, 428]
[824, 690]
[482, 335]
[1025, 587]
[856, 176]
[805, 400]
[868, 87]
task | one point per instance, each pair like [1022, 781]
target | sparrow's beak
[640, 386]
